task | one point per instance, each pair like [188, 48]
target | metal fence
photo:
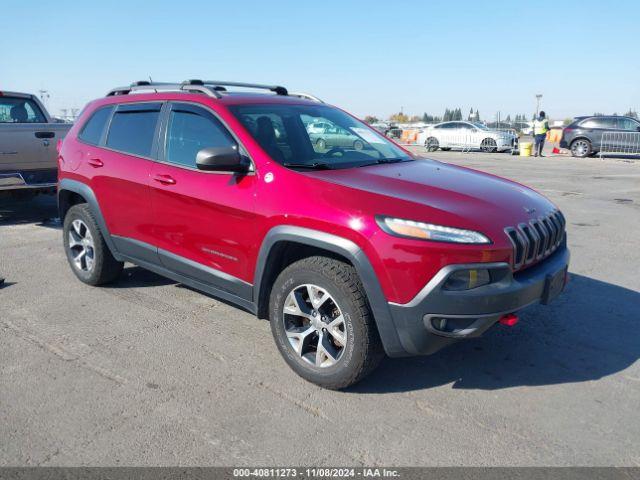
[620, 143]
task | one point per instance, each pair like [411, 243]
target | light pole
[44, 96]
[538, 97]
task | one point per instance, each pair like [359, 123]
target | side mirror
[638, 129]
[223, 159]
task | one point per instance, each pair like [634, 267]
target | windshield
[310, 136]
[480, 126]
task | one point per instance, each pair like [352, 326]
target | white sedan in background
[466, 136]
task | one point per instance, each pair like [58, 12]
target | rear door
[119, 169]
[25, 136]
[203, 221]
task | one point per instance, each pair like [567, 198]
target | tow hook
[510, 319]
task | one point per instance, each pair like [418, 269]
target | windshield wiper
[386, 160]
[312, 166]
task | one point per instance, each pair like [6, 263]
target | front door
[203, 220]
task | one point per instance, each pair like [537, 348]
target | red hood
[460, 196]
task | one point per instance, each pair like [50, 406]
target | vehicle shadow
[41, 210]
[134, 276]
[589, 332]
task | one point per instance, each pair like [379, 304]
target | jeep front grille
[537, 239]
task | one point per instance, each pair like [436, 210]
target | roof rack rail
[306, 96]
[146, 85]
[277, 89]
[211, 88]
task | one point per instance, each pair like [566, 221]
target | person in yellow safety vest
[540, 129]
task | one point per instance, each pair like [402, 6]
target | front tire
[88, 254]
[322, 323]
[489, 145]
[321, 144]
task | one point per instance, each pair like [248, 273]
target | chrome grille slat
[530, 240]
[540, 231]
[537, 239]
[556, 227]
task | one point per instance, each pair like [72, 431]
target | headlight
[467, 279]
[428, 231]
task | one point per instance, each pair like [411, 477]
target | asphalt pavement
[148, 372]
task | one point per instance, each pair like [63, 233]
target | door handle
[95, 162]
[45, 134]
[165, 179]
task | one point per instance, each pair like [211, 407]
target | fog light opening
[509, 319]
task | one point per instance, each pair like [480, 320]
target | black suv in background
[584, 136]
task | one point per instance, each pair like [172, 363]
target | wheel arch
[284, 245]
[581, 137]
[72, 192]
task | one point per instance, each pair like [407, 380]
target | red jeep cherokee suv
[301, 214]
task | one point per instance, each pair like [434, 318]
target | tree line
[450, 114]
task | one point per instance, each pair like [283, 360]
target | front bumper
[25, 179]
[472, 312]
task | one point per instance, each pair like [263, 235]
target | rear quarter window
[133, 128]
[93, 129]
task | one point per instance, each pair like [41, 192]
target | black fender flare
[354, 254]
[67, 184]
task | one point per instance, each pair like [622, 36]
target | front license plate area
[553, 286]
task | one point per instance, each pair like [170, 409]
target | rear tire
[581, 148]
[321, 144]
[358, 145]
[88, 254]
[431, 144]
[322, 323]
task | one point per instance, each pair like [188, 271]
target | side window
[190, 130]
[132, 129]
[628, 124]
[598, 123]
[94, 127]
[20, 110]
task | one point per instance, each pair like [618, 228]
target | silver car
[326, 136]
[466, 136]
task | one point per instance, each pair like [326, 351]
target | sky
[368, 57]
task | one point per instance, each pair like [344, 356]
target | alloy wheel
[81, 246]
[488, 145]
[314, 325]
[580, 148]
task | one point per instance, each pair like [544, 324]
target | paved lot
[148, 372]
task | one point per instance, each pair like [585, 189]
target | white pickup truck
[28, 137]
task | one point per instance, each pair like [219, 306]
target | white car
[466, 136]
